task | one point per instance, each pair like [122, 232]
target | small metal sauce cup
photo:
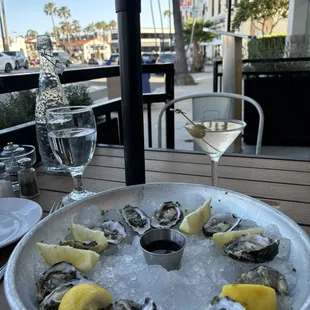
[171, 261]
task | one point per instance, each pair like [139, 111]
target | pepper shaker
[6, 189]
[27, 179]
[12, 166]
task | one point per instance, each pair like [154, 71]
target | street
[97, 88]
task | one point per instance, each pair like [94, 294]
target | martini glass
[214, 137]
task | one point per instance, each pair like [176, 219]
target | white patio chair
[219, 105]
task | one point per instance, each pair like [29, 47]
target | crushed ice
[123, 272]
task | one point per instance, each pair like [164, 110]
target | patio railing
[218, 74]
[19, 82]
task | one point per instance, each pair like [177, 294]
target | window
[212, 8]
[219, 6]
[114, 36]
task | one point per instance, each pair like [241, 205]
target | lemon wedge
[225, 237]
[193, 222]
[86, 297]
[251, 296]
[81, 233]
[83, 260]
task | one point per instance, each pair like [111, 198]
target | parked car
[93, 61]
[113, 61]
[34, 62]
[62, 57]
[150, 58]
[166, 58]
[19, 59]
[7, 63]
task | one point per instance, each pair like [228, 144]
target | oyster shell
[267, 276]
[136, 219]
[58, 274]
[221, 222]
[220, 303]
[167, 215]
[114, 231]
[83, 245]
[125, 304]
[252, 248]
[52, 300]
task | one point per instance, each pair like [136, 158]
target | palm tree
[168, 14]
[31, 34]
[101, 26]
[50, 10]
[91, 28]
[182, 77]
[112, 24]
[198, 36]
[66, 29]
[64, 13]
[162, 27]
[76, 28]
[153, 19]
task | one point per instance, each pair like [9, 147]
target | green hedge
[19, 107]
[269, 47]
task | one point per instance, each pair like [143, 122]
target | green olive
[197, 131]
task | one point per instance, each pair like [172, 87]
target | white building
[84, 50]
[151, 41]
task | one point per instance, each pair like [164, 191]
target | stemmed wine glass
[72, 134]
[214, 137]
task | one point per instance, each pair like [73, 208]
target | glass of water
[72, 134]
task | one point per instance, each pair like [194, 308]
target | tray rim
[9, 285]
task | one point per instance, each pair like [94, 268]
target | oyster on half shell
[136, 219]
[253, 248]
[114, 231]
[220, 222]
[125, 304]
[223, 303]
[167, 215]
[58, 274]
[82, 245]
[266, 276]
[53, 300]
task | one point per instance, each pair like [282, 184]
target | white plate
[17, 216]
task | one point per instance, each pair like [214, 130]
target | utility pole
[169, 1]
[2, 33]
[228, 5]
[6, 45]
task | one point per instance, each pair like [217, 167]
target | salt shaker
[28, 185]
[5, 183]
[12, 165]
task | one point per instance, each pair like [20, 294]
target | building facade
[151, 41]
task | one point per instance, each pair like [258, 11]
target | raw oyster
[267, 276]
[220, 303]
[83, 245]
[136, 219]
[125, 304]
[221, 222]
[168, 215]
[58, 274]
[114, 231]
[52, 300]
[252, 248]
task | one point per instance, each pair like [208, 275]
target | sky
[28, 14]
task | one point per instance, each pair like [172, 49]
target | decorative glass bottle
[50, 95]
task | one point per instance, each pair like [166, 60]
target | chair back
[215, 106]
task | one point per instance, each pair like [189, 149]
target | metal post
[128, 15]
[228, 3]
